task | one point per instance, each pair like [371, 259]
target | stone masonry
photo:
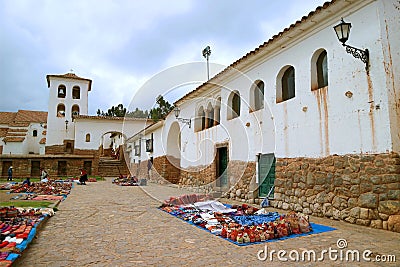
[359, 189]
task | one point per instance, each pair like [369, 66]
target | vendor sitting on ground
[43, 176]
[83, 178]
[27, 181]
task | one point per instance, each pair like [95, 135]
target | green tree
[117, 111]
[162, 109]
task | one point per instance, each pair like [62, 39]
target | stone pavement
[103, 224]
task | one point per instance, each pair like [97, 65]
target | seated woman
[83, 177]
[27, 181]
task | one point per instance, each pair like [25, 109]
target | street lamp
[343, 31]
[206, 54]
[177, 111]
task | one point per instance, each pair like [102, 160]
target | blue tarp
[316, 229]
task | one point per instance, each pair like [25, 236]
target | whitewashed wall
[56, 130]
[98, 127]
[314, 123]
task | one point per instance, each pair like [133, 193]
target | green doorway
[221, 167]
[266, 174]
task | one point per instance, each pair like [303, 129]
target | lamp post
[343, 31]
[176, 112]
[206, 54]
[66, 125]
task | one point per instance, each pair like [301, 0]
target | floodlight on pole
[206, 54]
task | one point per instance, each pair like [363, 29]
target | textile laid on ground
[49, 188]
[18, 228]
[126, 181]
[186, 199]
[240, 224]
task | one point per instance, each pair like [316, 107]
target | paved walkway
[102, 224]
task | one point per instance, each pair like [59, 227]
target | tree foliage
[118, 111]
[162, 109]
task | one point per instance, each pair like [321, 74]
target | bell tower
[68, 96]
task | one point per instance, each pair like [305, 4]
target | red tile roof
[22, 118]
[71, 76]
[31, 116]
[13, 139]
[7, 117]
[3, 132]
[109, 118]
[251, 54]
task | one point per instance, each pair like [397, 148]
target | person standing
[10, 173]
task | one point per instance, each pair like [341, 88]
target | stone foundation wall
[22, 165]
[163, 170]
[359, 189]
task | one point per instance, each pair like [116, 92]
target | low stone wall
[359, 189]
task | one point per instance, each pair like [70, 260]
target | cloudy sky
[122, 44]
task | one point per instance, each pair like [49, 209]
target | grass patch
[24, 204]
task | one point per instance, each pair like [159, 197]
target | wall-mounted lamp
[343, 31]
[66, 124]
[177, 111]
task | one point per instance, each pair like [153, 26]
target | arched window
[257, 96]
[75, 110]
[217, 111]
[62, 91]
[76, 92]
[210, 116]
[87, 138]
[60, 110]
[34, 133]
[319, 69]
[233, 105]
[199, 123]
[285, 84]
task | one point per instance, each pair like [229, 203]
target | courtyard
[103, 224]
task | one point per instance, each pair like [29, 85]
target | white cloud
[120, 44]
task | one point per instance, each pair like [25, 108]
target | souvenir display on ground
[17, 229]
[126, 181]
[240, 224]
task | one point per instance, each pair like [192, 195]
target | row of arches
[285, 90]
[209, 116]
[61, 110]
[62, 91]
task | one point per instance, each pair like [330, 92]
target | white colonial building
[300, 119]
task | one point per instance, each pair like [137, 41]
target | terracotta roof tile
[19, 124]
[13, 139]
[7, 117]
[31, 116]
[3, 132]
[68, 76]
[17, 130]
[42, 141]
[15, 134]
[109, 118]
[257, 50]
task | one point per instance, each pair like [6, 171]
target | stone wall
[359, 189]
[22, 164]
[163, 170]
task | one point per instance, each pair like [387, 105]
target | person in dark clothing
[27, 181]
[83, 177]
[10, 173]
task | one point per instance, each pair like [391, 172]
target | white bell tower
[68, 96]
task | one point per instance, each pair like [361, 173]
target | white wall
[56, 128]
[98, 127]
[331, 123]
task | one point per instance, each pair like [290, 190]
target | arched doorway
[173, 160]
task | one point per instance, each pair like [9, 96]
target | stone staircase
[108, 167]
